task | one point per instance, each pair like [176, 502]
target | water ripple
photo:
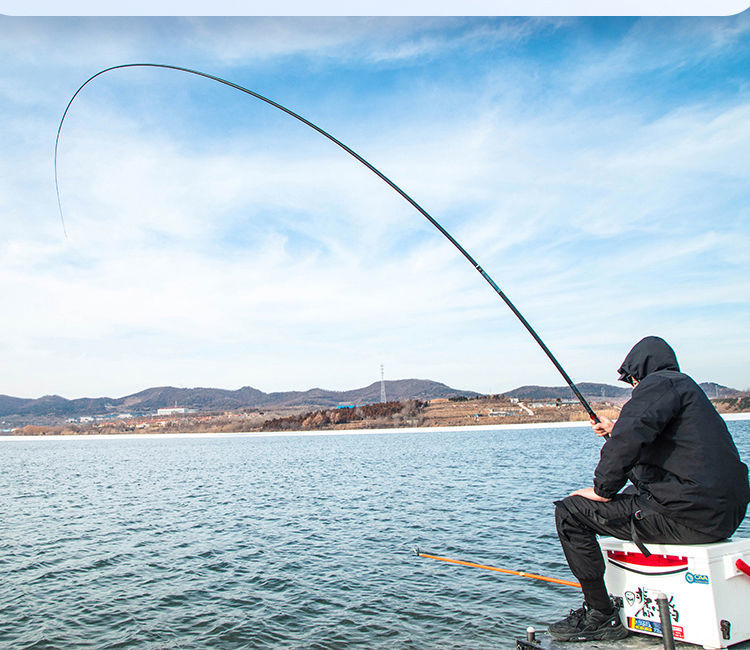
[301, 542]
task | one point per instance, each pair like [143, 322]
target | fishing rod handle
[595, 420]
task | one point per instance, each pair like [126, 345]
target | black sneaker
[586, 624]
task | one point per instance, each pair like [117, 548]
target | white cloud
[252, 40]
[282, 263]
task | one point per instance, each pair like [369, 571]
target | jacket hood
[647, 356]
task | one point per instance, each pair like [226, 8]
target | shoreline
[729, 417]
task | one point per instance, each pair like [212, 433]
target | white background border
[374, 8]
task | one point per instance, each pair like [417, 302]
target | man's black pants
[579, 520]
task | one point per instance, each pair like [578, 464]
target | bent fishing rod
[355, 155]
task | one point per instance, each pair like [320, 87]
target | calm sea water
[295, 542]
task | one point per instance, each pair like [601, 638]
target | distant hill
[590, 391]
[217, 399]
[594, 392]
[55, 408]
[715, 391]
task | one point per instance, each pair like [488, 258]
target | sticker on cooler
[653, 565]
[647, 605]
[697, 578]
[652, 627]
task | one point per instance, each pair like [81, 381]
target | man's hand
[603, 427]
[589, 493]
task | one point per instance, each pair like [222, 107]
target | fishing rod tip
[416, 551]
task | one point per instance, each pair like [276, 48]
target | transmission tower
[383, 400]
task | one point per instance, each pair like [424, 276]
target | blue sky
[595, 167]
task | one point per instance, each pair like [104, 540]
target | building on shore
[175, 410]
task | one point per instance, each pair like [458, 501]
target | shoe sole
[608, 634]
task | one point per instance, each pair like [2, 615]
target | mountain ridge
[247, 397]
[213, 399]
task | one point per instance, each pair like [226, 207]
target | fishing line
[354, 154]
[522, 574]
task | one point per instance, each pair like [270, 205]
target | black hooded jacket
[674, 447]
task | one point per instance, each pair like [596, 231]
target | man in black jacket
[688, 483]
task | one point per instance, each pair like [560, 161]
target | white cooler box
[709, 596]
